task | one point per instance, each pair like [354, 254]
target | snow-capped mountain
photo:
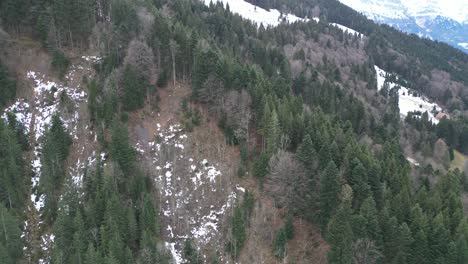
[442, 20]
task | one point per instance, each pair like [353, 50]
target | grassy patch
[458, 161]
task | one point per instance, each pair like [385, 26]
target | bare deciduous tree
[286, 181]
[141, 57]
[146, 20]
[365, 252]
[441, 153]
[237, 109]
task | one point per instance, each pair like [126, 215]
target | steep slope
[196, 136]
[43, 98]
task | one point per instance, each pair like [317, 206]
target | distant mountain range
[442, 20]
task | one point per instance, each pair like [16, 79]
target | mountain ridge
[433, 19]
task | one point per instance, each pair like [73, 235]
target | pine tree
[404, 242]
[273, 133]
[132, 231]
[7, 85]
[91, 256]
[11, 245]
[390, 235]
[462, 250]
[134, 89]
[306, 153]
[260, 166]
[358, 181]
[439, 238]
[12, 177]
[279, 245]
[55, 151]
[121, 150]
[372, 226]
[329, 191]
[13, 12]
[419, 249]
[148, 218]
[340, 236]
[79, 239]
[238, 235]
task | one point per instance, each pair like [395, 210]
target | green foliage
[260, 166]
[13, 12]
[92, 99]
[12, 175]
[205, 62]
[11, 244]
[60, 63]
[306, 154]
[340, 236]
[284, 234]
[57, 143]
[7, 86]
[191, 117]
[329, 191]
[239, 221]
[454, 132]
[134, 89]
[115, 220]
[289, 228]
[191, 254]
[121, 151]
[163, 78]
[237, 232]
[124, 17]
[279, 245]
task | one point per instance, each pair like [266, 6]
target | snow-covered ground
[47, 96]
[463, 45]
[22, 111]
[272, 17]
[193, 200]
[257, 14]
[347, 29]
[36, 116]
[409, 101]
[47, 103]
[412, 161]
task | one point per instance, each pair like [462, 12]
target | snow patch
[347, 30]
[413, 161]
[463, 45]
[22, 111]
[409, 101]
[257, 14]
[186, 184]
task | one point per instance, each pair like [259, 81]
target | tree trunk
[173, 47]
[4, 227]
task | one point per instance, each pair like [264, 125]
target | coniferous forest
[314, 141]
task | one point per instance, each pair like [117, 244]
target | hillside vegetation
[178, 132]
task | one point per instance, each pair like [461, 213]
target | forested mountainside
[157, 131]
[445, 21]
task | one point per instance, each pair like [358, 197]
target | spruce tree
[329, 191]
[273, 133]
[372, 226]
[11, 244]
[306, 153]
[340, 236]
